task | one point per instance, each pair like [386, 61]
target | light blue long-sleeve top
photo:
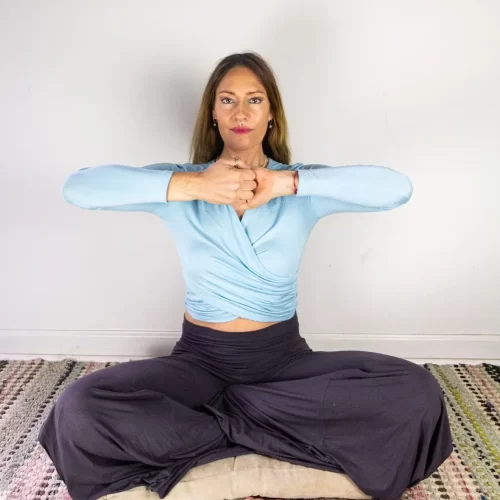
[240, 268]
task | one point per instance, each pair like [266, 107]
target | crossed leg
[133, 423]
[380, 419]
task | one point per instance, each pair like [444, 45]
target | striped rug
[28, 389]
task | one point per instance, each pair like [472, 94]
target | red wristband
[295, 182]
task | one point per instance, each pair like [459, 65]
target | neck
[254, 157]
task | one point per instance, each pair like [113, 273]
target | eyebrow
[253, 92]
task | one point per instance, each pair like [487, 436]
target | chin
[241, 144]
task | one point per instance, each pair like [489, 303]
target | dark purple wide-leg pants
[380, 419]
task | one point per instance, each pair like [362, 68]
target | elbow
[68, 191]
[404, 192]
[71, 193]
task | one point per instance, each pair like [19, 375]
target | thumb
[241, 164]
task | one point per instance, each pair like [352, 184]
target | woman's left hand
[271, 184]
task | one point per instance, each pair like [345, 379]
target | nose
[241, 112]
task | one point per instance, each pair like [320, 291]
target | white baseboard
[109, 345]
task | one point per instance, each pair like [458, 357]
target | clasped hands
[259, 183]
[245, 187]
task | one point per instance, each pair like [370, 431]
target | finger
[248, 185]
[245, 194]
[232, 162]
[254, 202]
[248, 175]
[239, 205]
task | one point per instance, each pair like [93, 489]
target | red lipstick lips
[241, 130]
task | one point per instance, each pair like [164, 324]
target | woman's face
[241, 101]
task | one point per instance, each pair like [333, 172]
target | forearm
[184, 186]
[118, 187]
[376, 187]
[285, 183]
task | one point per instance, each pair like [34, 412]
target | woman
[241, 379]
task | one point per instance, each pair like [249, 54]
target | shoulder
[293, 166]
[276, 165]
[178, 167]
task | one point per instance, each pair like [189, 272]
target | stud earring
[270, 124]
[214, 122]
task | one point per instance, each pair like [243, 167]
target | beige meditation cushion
[247, 475]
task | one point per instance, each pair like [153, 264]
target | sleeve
[121, 187]
[353, 188]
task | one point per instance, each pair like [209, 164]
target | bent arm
[353, 188]
[121, 187]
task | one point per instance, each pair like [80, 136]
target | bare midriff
[235, 325]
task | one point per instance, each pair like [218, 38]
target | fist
[264, 191]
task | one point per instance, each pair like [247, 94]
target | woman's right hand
[224, 184]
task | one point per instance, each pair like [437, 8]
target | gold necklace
[261, 166]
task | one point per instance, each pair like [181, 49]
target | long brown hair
[207, 143]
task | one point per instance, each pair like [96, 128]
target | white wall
[410, 85]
